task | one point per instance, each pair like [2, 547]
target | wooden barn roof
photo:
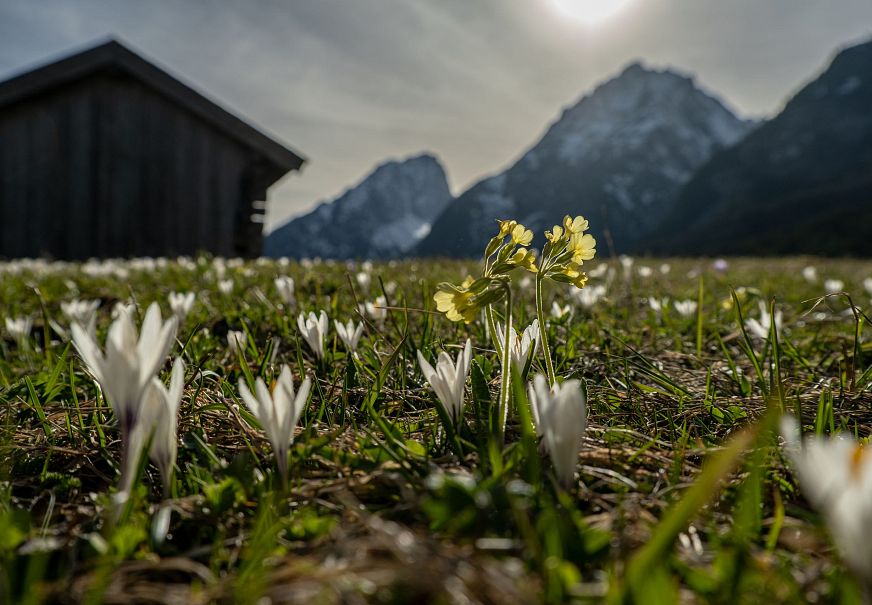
[113, 55]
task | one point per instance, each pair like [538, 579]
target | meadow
[680, 491]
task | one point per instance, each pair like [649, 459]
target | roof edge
[112, 52]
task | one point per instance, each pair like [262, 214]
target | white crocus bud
[349, 334]
[127, 367]
[314, 330]
[181, 304]
[522, 348]
[159, 419]
[19, 328]
[685, 308]
[560, 415]
[278, 412]
[448, 378]
[235, 340]
[760, 328]
[832, 286]
[559, 312]
[377, 310]
[82, 312]
[285, 288]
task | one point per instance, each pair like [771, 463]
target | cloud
[350, 83]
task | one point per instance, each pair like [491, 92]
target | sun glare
[590, 11]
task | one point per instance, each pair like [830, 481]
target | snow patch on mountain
[383, 216]
[619, 156]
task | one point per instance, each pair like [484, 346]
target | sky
[350, 84]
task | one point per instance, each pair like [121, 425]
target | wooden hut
[102, 154]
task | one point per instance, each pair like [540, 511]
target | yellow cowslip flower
[575, 225]
[555, 234]
[573, 274]
[521, 235]
[507, 227]
[570, 270]
[455, 301]
[524, 259]
[580, 281]
[583, 246]
[455, 305]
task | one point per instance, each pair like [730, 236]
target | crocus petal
[89, 350]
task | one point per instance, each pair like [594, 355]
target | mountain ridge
[808, 170]
[382, 216]
[620, 151]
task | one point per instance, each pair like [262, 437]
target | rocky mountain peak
[383, 216]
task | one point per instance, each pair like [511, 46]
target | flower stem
[543, 332]
[506, 382]
[492, 328]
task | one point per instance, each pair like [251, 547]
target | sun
[590, 11]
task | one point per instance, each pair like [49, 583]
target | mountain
[383, 216]
[799, 184]
[619, 157]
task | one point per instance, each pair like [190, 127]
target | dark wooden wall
[109, 168]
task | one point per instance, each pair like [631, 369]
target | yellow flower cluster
[564, 253]
[567, 248]
[512, 254]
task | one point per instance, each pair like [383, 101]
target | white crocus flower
[278, 412]
[121, 308]
[665, 268]
[598, 271]
[82, 312]
[834, 285]
[181, 304]
[314, 331]
[559, 312]
[159, 419]
[588, 297]
[645, 271]
[627, 264]
[560, 415]
[835, 474]
[522, 348]
[285, 288]
[349, 333]
[449, 378]
[867, 285]
[235, 340]
[225, 286]
[377, 310]
[364, 280]
[685, 308]
[761, 328]
[127, 367]
[658, 304]
[810, 274]
[19, 328]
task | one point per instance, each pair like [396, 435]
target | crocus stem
[543, 332]
[506, 382]
[492, 327]
[127, 471]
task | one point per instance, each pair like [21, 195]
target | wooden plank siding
[109, 165]
[113, 169]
